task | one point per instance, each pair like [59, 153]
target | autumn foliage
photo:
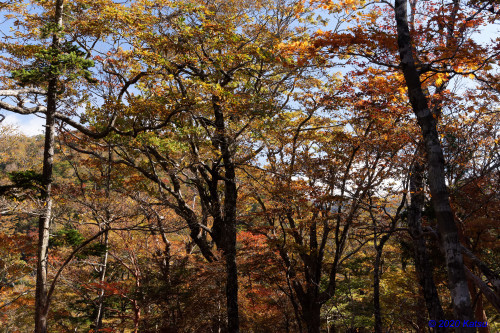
[249, 166]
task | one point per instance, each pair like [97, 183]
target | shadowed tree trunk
[311, 315]
[422, 264]
[376, 284]
[436, 175]
[225, 236]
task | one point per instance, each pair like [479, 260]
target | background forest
[253, 165]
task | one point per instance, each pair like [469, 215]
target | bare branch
[22, 110]
[17, 92]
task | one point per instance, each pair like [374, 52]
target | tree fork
[228, 230]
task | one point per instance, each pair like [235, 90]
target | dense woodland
[250, 166]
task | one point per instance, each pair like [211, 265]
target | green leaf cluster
[28, 179]
[67, 60]
[66, 237]
[95, 249]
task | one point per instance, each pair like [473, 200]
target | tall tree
[427, 120]
[430, 53]
[422, 264]
[44, 81]
[53, 28]
[212, 76]
[41, 294]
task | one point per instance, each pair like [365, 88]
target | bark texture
[42, 286]
[422, 264]
[436, 175]
[225, 233]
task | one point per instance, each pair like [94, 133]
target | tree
[215, 174]
[54, 64]
[213, 76]
[52, 80]
[429, 53]
[322, 171]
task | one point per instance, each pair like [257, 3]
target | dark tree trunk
[422, 265]
[376, 290]
[440, 197]
[379, 248]
[311, 314]
[232, 291]
[227, 231]
[229, 241]
[310, 304]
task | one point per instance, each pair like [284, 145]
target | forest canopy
[250, 166]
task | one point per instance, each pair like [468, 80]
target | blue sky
[33, 125]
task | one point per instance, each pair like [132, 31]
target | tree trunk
[229, 240]
[228, 229]
[104, 265]
[100, 301]
[480, 314]
[376, 290]
[137, 315]
[311, 313]
[232, 291]
[440, 197]
[41, 292]
[422, 264]
[379, 248]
